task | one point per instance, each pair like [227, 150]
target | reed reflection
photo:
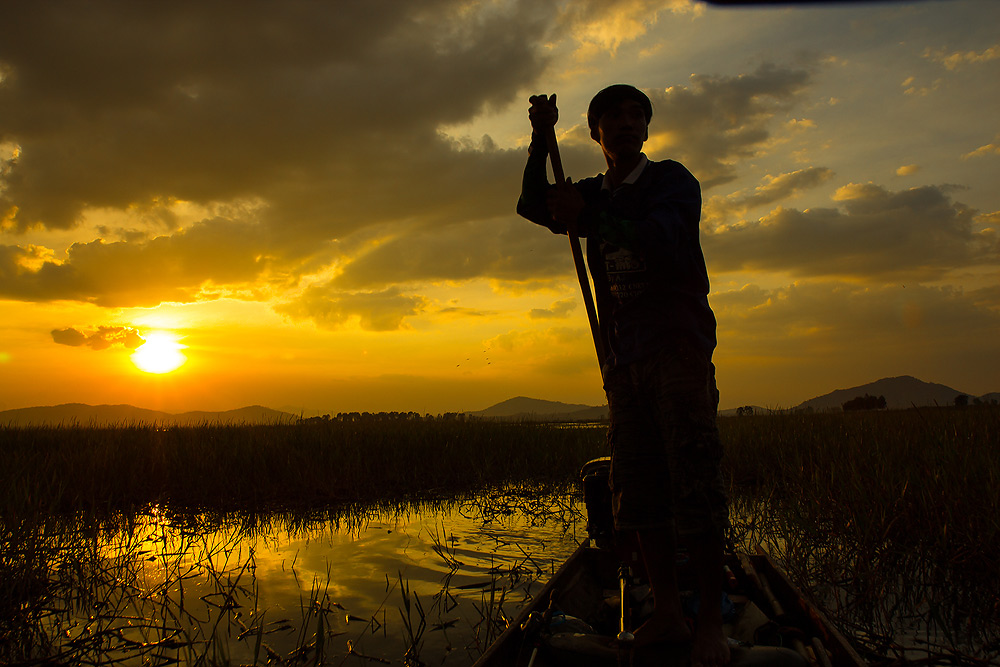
[441, 578]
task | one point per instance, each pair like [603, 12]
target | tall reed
[893, 518]
[274, 466]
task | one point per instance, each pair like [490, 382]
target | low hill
[534, 409]
[992, 397]
[900, 392]
[80, 414]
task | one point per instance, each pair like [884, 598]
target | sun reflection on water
[264, 587]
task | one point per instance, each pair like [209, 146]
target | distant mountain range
[80, 414]
[899, 392]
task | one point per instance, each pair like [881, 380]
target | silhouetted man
[641, 221]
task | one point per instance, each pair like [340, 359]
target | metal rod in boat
[625, 635]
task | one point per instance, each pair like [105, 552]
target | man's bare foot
[663, 628]
[710, 647]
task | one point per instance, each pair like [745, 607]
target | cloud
[298, 128]
[919, 234]
[910, 87]
[956, 59]
[504, 249]
[991, 218]
[190, 264]
[100, 339]
[848, 320]
[300, 132]
[557, 351]
[601, 27]
[372, 311]
[716, 120]
[557, 310]
[992, 148]
[772, 190]
[908, 170]
[297, 104]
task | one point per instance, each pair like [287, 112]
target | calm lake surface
[434, 582]
[429, 583]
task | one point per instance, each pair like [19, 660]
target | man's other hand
[565, 203]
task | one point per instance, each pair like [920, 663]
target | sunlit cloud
[138, 273]
[953, 60]
[992, 148]
[557, 310]
[329, 308]
[602, 27]
[912, 87]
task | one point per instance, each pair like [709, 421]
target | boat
[583, 615]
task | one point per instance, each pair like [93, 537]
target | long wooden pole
[574, 244]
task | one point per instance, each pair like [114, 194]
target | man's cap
[612, 96]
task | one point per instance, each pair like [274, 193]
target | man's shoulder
[669, 168]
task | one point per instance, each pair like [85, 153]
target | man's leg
[686, 414]
[658, 548]
[710, 647]
[642, 504]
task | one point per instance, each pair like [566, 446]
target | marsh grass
[268, 467]
[891, 519]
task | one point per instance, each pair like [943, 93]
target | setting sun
[161, 353]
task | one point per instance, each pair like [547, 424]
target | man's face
[622, 130]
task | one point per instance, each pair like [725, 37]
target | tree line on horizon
[343, 417]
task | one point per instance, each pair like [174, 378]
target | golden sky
[311, 204]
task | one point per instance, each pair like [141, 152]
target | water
[430, 584]
[434, 583]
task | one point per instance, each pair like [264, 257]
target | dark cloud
[115, 103]
[323, 117]
[772, 190]
[842, 319]
[294, 102]
[717, 120]
[70, 337]
[100, 339]
[505, 249]
[920, 234]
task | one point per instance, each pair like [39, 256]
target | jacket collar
[631, 178]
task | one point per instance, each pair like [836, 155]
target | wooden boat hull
[772, 623]
[576, 617]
